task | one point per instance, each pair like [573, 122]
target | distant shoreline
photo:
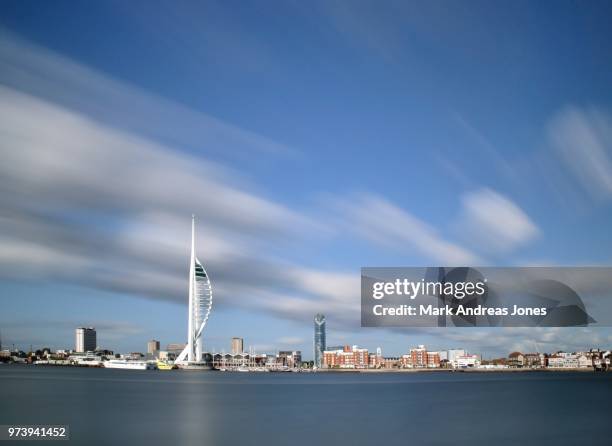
[372, 371]
[470, 370]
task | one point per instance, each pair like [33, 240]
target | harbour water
[104, 406]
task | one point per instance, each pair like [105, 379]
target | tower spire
[192, 238]
[190, 324]
[200, 304]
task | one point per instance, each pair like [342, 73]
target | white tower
[200, 304]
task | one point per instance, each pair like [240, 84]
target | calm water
[207, 408]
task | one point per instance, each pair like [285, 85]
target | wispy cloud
[89, 202]
[375, 218]
[92, 204]
[494, 222]
[57, 79]
[582, 139]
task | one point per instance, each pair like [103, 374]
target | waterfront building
[200, 305]
[433, 360]
[295, 359]
[347, 358]
[534, 360]
[237, 346]
[331, 358]
[165, 355]
[152, 347]
[319, 339]
[360, 357]
[376, 361]
[563, 360]
[418, 357]
[391, 362]
[467, 361]
[229, 361]
[291, 359]
[85, 339]
[453, 354]
[516, 360]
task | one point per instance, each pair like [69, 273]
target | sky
[310, 139]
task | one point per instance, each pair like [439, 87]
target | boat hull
[129, 365]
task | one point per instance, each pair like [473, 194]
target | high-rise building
[319, 339]
[152, 347]
[175, 348]
[200, 305]
[85, 339]
[237, 346]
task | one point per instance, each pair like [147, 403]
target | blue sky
[310, 138]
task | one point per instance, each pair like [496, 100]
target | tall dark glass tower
[319, 339]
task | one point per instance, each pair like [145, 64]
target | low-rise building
[291, 359]
[376, 361]
[467, 361]
[391, 363]
[534, 360]
[347, 358]
[452, 355]
[420, 358]
[165, 355]
[562, 360]
[516, 360]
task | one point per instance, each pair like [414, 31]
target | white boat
[89, 361]
[128, 365]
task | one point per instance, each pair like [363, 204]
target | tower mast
[191, 328]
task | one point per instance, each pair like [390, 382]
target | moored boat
[165, 365]
[128, 365]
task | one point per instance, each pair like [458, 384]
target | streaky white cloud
[73, 161]
[495, 223]
[582, 139]
[97, 206]
[382, 222]
[50, 76]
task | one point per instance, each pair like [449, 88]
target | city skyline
[85, 341]
[345, 356]
[407, 145]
